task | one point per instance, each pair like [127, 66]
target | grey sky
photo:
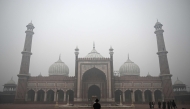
[128, 26]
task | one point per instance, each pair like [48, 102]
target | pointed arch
[40, 95]
[118, 94]
[31, 94]
[138, 96]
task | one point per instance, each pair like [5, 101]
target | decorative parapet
[131, 77]
[135, 84]
[51, 78]
[50, 85]
[90, 59]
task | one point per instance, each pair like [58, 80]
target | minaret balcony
[162, 52]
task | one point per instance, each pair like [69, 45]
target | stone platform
[89, 107]
[52, 106]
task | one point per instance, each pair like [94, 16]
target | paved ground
[51, 106]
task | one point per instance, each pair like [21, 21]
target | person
[168, 105]
[150, 105]
[97, 105]
[159, 104]
[174, 105]
[164, 105]
[171, 104]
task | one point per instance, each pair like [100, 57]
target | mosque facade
[94, 77]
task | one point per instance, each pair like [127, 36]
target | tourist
[164, 105]
[150, 105]
[97, 105]
[159, 104]
[171, 104]
[174, 104]
[168, 105]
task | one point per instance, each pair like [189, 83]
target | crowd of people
[164, 104]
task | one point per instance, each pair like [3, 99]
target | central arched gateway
[94, 84]
[94, 91]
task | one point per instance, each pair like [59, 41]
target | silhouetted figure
[97, 105]
[164, 105]
[171, 105]
[174, 105]
[150, 105]
[159, 104]
[168, 105]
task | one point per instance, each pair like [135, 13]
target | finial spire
[128, 55]
[59, 56]
[93, 45]
[157, 20]
[12, 78]
[177, 78]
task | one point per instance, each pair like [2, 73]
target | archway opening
[50, 95]
[96, 77]
[138, 96]
[118, 94]
[128, 96]
[94, 91]
[60, 95]
[31, 94]
[158, 95]
[70, 96]
[148, 96]
[40, 95]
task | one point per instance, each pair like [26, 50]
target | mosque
[94, 77]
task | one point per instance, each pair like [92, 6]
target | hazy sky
[127, 26]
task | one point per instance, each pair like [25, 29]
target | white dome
[94, 54]
[177, 82]
[11, 81]
[59, 68]
[129, 68]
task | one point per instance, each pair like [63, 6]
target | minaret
[111, 65]
[163, 61]
[25, 63]
[76, 71]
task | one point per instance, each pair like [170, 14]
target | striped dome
[59, 68]
[11, 81]
[178, 82]
[129, 68]
[94, 54]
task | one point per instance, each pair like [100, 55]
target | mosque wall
[51, 82]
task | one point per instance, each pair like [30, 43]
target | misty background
[126, 25]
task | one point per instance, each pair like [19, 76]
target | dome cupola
[94, 53]
[59, 68]
[178, 82]
[11, 82]
[129, 68]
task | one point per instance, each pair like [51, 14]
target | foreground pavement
[52, 106]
